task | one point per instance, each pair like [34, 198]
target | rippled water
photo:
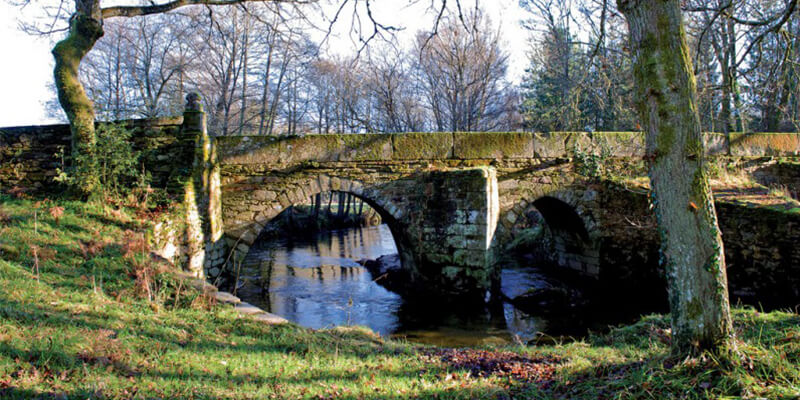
[316, 282]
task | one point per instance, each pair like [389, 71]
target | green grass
[88, 328]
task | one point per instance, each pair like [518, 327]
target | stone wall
[534, 176]
[761, 251]
[452, 200]
[779, 173]
[30, 155]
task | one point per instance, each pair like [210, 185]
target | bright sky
[27, 67]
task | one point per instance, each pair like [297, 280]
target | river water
[317, 282]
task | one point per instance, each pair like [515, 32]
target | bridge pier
[450, 228]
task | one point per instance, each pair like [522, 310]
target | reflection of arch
[245, 233]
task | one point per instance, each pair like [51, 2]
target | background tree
[575, 84]
[462, 70]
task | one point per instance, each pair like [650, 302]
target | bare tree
[462, 69]
[394, 92]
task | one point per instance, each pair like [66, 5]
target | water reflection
[316, 282]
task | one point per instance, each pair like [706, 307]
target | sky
[27, 67]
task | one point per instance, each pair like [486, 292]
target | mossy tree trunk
[85, 28]
[692, 252]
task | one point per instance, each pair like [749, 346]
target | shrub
[115, 164]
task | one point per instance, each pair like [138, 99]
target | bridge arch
[274, 199]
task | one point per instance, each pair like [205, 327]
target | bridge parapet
[398, 147]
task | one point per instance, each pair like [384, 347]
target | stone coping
[287, 150]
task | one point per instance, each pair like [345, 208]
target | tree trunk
[349, 198]
[265, 92]
[317, 204]
[690, 238]
[84, 31]
[245, 49]
[340, 207]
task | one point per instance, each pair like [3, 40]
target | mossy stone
[492, 145]
[422, 146]
[359, 147]
[559, 144]
[765, 144]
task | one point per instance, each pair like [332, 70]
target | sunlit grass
[85, 329]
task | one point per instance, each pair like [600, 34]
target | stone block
[249, 237]
[511, 217]
[438, 258]
[464, 230]
[619, 144]
[492, 145]
[362, 147]
[270, 150]
[357, 187]
[477, 218]
[460, 216]
[284, 200]
[324, 183]
[560, 144]
[471, 258]
[456, 242]
[765, 144]
[345, 185]
[313, 187]
[422, 146]
[264, 195]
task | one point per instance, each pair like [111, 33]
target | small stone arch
[569, 214]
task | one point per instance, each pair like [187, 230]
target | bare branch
[134, 11]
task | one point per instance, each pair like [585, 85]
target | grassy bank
[86, 313]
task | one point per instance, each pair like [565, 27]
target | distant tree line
[260, 75]
[746, 65]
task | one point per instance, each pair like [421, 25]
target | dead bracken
[484, 363]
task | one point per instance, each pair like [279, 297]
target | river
[316, 281]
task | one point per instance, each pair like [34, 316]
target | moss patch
[765, 144]
[493, 145]
[279, 150]
[366, 147]
[422, 146]
[560, 144]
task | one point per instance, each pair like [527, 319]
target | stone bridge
[453, 201]
[448, 199]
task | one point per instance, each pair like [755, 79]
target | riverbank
[85, 312]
